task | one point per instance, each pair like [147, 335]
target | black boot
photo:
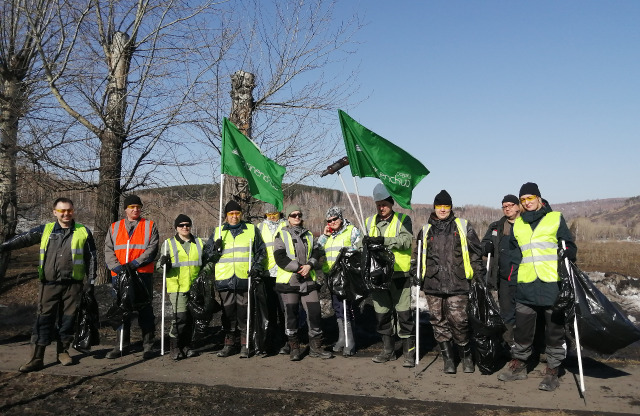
[147, 345]
[244, 348]
[294, 348]
[37, 360]
[315, 349]
[447, 356]
[229, 346]
[175, 352]
[126, 340]
[388, 350]
[409, 352]
[466, 357]
[285, 349]
[63, 353]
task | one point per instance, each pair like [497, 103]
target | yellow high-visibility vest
[461, 224]
[403, 257]
[539, 249]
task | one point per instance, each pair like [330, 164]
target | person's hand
[304, 270]
[88, 288]
[488, 247]
[165, 260]
[415, 280]
[130, 268]
[217, 245]
[255, 275]
[373, 240]
[563, 254]
[327, 230]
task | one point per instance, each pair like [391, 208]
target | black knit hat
[181, 219]
[443, 198]
[132, 200]
[232, 206]
[511, 198]
[530, 188]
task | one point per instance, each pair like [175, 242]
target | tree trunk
[11, 105]
[112, 140]
[242, 85]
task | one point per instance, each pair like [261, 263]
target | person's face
[234, 217]
[133, 212]
[384, 208]
[64, 214]
[273, 216]
[184, 230]
[295, 218]
[511, 210]
[530, 202]
[334, 223]
[442, 211]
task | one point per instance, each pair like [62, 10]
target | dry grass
[610, 256]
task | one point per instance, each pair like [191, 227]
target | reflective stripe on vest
[539, 249]
[284, 276]
[138, 242]
[268, 238]
[403, 257]
[78, 239]
[333, 245]
[461, 225]
[235, 253]
[184, 268]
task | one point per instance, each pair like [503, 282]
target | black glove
[373, 240]
[563, 254]
[415, 280]
[130, 268]
[217, 245]
[88, 288]
[487, 247]
[165, 260]
[255, 275]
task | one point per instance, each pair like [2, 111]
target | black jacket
[539, 293]
[500, 265]
[445, 273]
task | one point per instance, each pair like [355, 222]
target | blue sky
[492, 94]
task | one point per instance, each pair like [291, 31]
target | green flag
[241, 157]
[373, 156]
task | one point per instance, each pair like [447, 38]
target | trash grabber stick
[350, 200]
[355, 184]
[164, 289]
[249, 297]
[346, 338]
[122, 327]
[488, 263]
[419, 260]
[575, 320]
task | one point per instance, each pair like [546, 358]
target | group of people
[526, 248]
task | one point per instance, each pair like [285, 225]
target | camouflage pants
[448, 317]
[393, 309]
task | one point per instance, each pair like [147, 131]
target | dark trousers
[507, 301]
[234, 311]
[526, 320]
[393, 309]
[57, 306]
[310, 304]
[338, 307]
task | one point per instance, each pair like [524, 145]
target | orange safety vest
[138, 242]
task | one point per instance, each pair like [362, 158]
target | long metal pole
[575, 321]
[419, 260]
[351, 201]
[130, 277]
[346, 338]
[355, 184]
[249, 297]
[164, 289]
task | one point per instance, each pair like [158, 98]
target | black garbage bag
[602, 327]
[202, 304]
[123, 303]
[377, 266]
[345, 278]
[487, 328]
[87, 323]
[262, 314]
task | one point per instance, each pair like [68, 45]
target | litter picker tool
[249, 298]
[126, 261]
[164, 287]
[575, 322]
[419, 260]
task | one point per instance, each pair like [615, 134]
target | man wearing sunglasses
[131, 244]
[67, 259]
[496, 243]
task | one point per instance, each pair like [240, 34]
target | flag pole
[575, 322]
[220, 210]
[355, 183]
[350, 200]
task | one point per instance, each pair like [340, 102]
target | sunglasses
[134, 206]
[184, 226]
[295, 215]
[64, 211]
[330, 220]
[506, 206]
[528, 198]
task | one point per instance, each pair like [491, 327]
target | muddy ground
[274, 385]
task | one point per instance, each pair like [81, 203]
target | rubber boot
[350, 342]
[388, 350]
[409, 352]
[175, 352]
[550, 381]
[189, 350]
[285, 349]
[63, 353]
[516, 370]
[244, 350]
[294, 348]
[37, 360]
[466, 356]
[447, 356]
[126, 341]
[229, 346]
[147, 345]
[315, 349]
[339, 345]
